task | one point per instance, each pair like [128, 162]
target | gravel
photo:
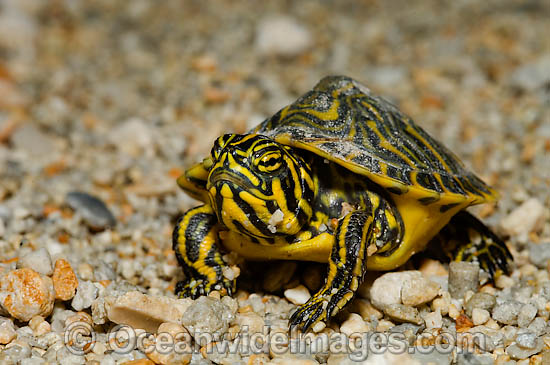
[103, 104]
[463, 276]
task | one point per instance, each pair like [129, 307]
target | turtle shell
[343, 121]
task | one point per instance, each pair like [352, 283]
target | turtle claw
[309, 314]
[194, 288]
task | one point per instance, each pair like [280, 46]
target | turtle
[340, 176]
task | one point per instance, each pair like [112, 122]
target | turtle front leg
[347, 265]
[195, 242]
[466, 238]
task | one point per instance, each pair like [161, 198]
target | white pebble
[433, 319]
[85, 295]
[281, 36]
[354, 326]
[39, 260]
[298, 295]
[525, 218]
[7, 330]
[480, 316]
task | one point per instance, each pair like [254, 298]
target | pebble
[524, 219]
[354, 326]
[207, 316]
[507, 312]
[364, 308]
[132, 137]
[418, 290]
[25, 294]
[538, 326]
[298, 295]
[64, 280]
[281, 36]
[526, 315]
[526, 339]
[539, 254]
[39, 326]
[480, 316]
[252, 321]
[468, 358]
[481, 301]
[86, 293]
[532, 75]
[386, 289]
[402, 287]
[31, 139]
[403, 313]
[93, 211]
[518, 353]
[463, 276]
[33, 360]
[7, 330]
[433, 319]
[39, 260]
[291, 359]
[504, 281]
[144, 311]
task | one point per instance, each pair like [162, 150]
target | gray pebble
[15, 353]
[539, 254]
[427, 356]
[408, 329]
[533, 75]
[544, 290]
[86, 292]
[526, 339]
[538, 326]
[526, 315]
[65, 357]
[523, 293]
[403, 313]
[207, 316]
[94, 212]
[33, 360]
[103, 271]
[480, 300]
[31, 139]
[468, 358]
[518, 353]
[39, 260]
[507, 312]
[463, 276]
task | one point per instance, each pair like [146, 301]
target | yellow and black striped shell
[342, 121]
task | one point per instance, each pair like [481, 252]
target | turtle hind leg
[466, 238]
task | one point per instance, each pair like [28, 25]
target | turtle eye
[219, 145]
[269, 162]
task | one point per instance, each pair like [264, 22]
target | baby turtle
[340, 176]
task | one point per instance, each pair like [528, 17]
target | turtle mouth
[223, 176]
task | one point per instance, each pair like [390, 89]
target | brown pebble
[140, 362]
[463, 323]
[64, 280]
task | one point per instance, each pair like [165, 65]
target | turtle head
[259, 187]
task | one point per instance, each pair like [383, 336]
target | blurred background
[116, 98]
